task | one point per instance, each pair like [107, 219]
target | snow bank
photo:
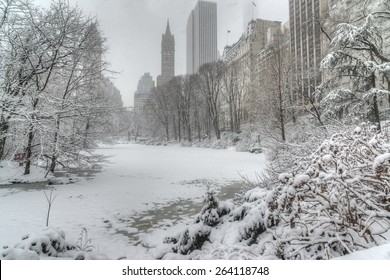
[376, 253]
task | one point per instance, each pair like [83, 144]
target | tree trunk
[231, 114]
[179, 125]
[3, 131]
[377, 118]
[174, 126]
[208, 125]
[166, 126]
[281, 116]
[29, 150]
[167, 132]
[216, 128]
[30, 140]
[216, 122]
[376, 112]
[197, 125]
[189, 133]
[55, 142]
[85, 144]
[236, 119]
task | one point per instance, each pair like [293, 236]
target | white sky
[133, 29]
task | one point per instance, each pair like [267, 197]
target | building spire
[168, 30]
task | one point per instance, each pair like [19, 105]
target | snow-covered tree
[235, 93]
[54, 98]
[210, 86]
[274, 103]
[357, 69]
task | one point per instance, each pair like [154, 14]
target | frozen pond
[169, 214]
[143, 188]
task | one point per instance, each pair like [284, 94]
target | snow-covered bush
[213, 210]
[329, 203]
[335, 201]
[255, 148]
[194, 236]
[51, 243]
[218, 145]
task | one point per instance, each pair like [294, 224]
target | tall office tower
[145, 84]
[167, 57]
[142, 95]
[305, 42]
[201, 36]
[142, 111]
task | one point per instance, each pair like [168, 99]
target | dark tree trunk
[376, 112]
[216, 121]
[3, 132]
[179, 126]
[231, 115]
[29, 150]
[281, 114]
[54, 155]
[30, 141]
[85, 143]
[167, 132]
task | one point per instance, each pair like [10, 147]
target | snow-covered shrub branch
[337, 201]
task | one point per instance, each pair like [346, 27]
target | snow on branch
[350, 36]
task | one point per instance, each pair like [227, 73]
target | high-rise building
[305, 40]
[141, 99]
[145, 84]
[244, 52]
[167, 57]
[201, 36]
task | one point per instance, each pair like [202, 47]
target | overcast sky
[133, 30]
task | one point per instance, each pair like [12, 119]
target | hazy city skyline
[133, 30]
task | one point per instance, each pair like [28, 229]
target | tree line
[199, 106]
[223, 96]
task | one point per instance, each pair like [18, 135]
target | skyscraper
[201, 36]
[167, 57]
[142, 95]
[306, 42]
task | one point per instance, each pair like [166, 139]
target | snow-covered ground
[376, 253]
[10, 173]
[138, 180]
